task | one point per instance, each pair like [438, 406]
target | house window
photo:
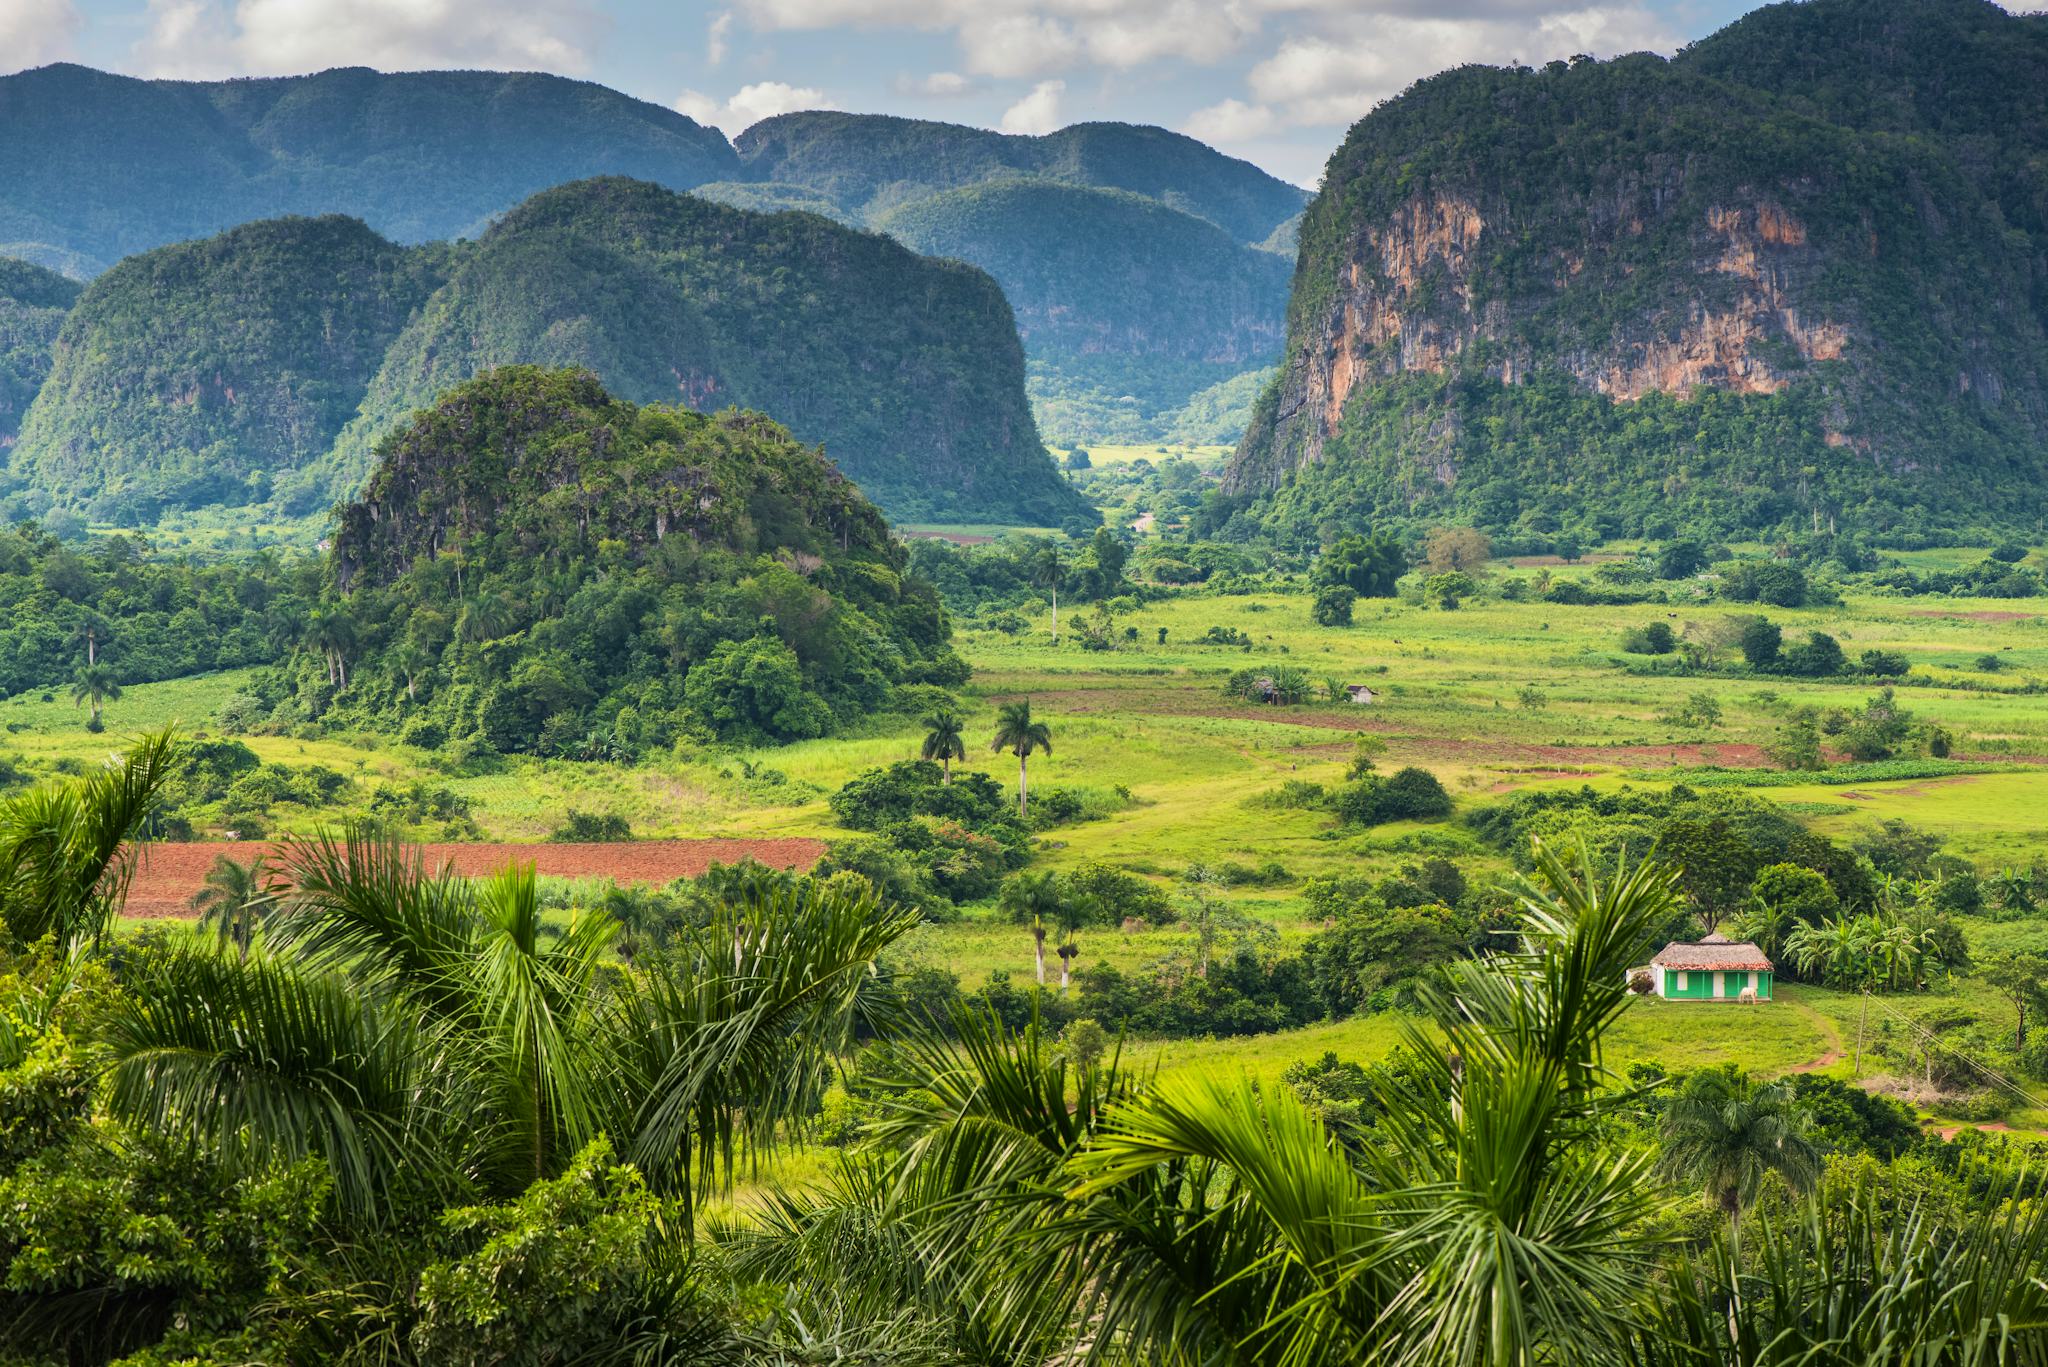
[1681, 982]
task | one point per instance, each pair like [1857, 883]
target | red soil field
[170, 872]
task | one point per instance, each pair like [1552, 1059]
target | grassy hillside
[97, 167]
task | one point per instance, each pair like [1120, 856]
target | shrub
[1759, 642]
[1886, 664]
[1333, 606]
[1819, 656]
[424, 732]
[591, 828]
[1409, 794]
[1654, 639]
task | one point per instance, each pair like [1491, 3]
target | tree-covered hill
[773, 199]
[96, 166]
[267, 362]
[1123, 302]
[908, 369]
[33, 302]
[1126, 251]
[195, 374]
[1796, 273]
[538, 566]
[870, 163]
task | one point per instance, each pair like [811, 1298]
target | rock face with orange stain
[1638, 228]
[1413, 296]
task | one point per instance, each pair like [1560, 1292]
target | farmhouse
[1360, 694]
[1714, 969]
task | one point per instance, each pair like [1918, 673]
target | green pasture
[1492, 697]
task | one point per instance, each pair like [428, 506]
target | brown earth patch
[1532, 562]
[1987, 615]
[170, 872]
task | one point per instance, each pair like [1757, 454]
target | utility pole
[1861, 1017]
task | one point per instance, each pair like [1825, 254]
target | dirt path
[1833, 1052]
[172, 871]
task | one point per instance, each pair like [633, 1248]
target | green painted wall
[1699, 985]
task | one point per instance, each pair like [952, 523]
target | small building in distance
[1361, 694]
[1713, 969]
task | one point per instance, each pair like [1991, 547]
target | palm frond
[258, 1061]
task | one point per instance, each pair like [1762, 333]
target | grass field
[1492, 698]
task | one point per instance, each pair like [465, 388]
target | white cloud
[718, 38]
[33, 32]
[267, 37]
[939, 85]
[1038, 112]
[1231, 121]
[1337, 75]
[750, 104]
[1018, 45]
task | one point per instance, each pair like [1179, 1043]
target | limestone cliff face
[1635, 229]
[1413, 294]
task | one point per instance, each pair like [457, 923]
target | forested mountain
[1127, 307]
[1797, 273]
[1129, 253]
[197, 373]
[542, 567]
[906, 368]
[871, 163]
[33, 302]
[95, 166]
[270, 360]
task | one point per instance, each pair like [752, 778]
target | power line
[1933, 1041]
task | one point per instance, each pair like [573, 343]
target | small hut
[1361, 694]
[1713, 969]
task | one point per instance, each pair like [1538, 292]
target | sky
[1276, 82]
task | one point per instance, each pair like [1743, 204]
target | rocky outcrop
[1638, 230]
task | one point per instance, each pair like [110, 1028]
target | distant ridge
[96, 166]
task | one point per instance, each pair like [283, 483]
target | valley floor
[1493, 698]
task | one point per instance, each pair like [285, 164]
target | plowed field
[171, 872]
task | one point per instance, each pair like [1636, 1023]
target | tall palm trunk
[946, 768]
[1038, 951]
[1023, 782]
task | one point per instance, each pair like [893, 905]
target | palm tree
[942, 741]
[95, 684]
[422, 1029]
[1050, 572]
[1072, 915]
[1203, 1218]
[234, 899]
[1017, 733]
[1728, 1133]
[412, 660]
[1031, 899]
[68, 850]
[331, 631]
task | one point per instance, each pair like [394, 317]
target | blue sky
[1273, 81]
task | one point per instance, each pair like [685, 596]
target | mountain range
[98, 167]
[1795, 276]
[269, 362]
